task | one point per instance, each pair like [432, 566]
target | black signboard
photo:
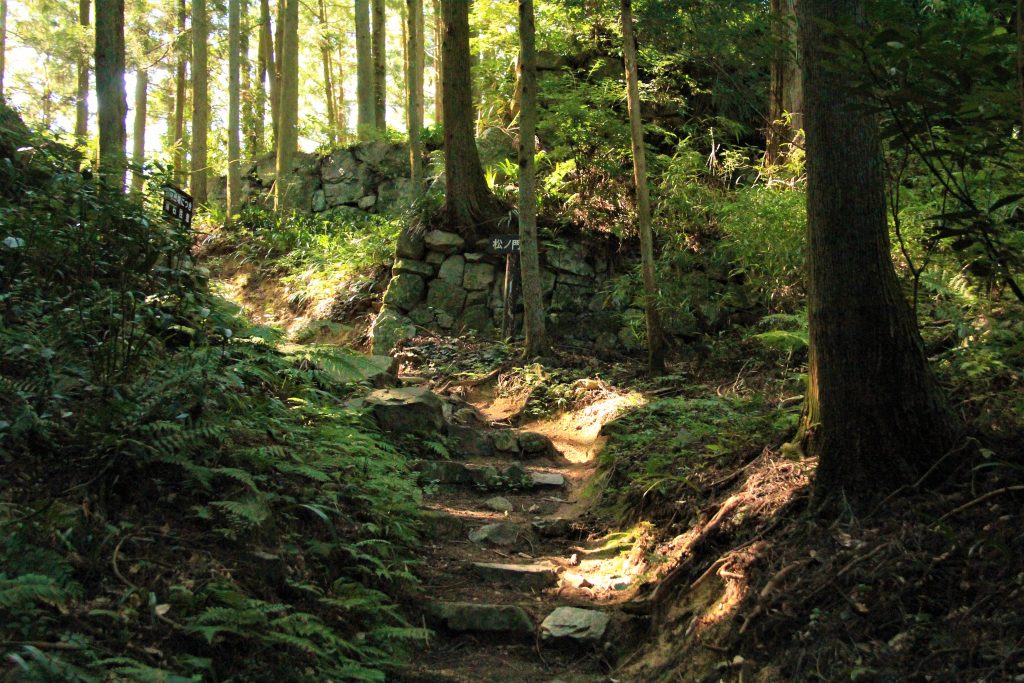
[505, 244]
[178, 205]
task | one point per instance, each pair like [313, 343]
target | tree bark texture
[655, 338]
[82, 92]
[139, 129]
[472, 208]
[110, 92]
[366, 120]
[234, 108]
[3, 44]
[267, 75]
[325, 58]
[200, 101]
[438, 68]
[180, 93]
[875, 415]
[414, 79]
[288, 123]
[786, 90]
[380, 65]
[248, 124]
[533, 294]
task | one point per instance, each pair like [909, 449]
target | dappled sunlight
[576, 432]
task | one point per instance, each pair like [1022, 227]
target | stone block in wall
[391, 193]
[338, 166]
[368, 202]
[404, 291]
[434, 258]
[568, 258]
[478, 276]
[576, 280]
[474, 256]
[477, 318]
[547, 281]
[569, 298]
[474, 297]
[347, 192]
[421, 315]
[319, 201]
[444, 320]
[411, 244]
[413, 267]
[445, 296]
[452, 269]
[444, 242]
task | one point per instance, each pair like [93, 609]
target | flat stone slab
[407, 410]
[583, 626]
[503, 534]
[546, 479]
[530, 576]
[444, 472]
[472, 617]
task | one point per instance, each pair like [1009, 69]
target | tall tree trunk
[472, 208]
[655, 338]
[367, 120]
[234, 202]
[110, 93]
[438, 67]
[875, 415]
[786, 91]
[200, 101]
[325, 56]
[275, 83]
[139, 129]
[245, 83]
[287, 145]
[82, 93]
[266, 71]
[1020, 58]
[180, 90]
[414, 80]
[533, 295]
[3, 44]
[380, 66]
[405, 57]
[341, 107]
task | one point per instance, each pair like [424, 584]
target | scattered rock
[515, 476]
[404, 291]
[528, 576]
[505, 440]
[444, 242]
[442, 525]
[533, 443]
[583, 626]
[498, 504]
[389, 328]
[470, 442]
[444, 472]
[547, 479]
[553, 528]
[504, 534]
[407, 410]
[466, 616]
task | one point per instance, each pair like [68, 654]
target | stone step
[575, 625]
[524, 576]
[486, 477]
[503, 534]
[470, 617]
[439, 525]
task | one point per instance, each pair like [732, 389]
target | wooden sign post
[508, 245]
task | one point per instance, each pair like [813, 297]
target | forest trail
[488, 598]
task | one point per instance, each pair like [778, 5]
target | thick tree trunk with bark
[472, 209]
[875, 416]
[110, 93]
[287, 134]
[200, 101]
[267, 75]
[533, 294]
[366, 121]
[380, 66]
[180, 92]
[234, 108]
[786, 92]
[139, 129]
[414, 79]
[655, 337]
[438, 68]
[82, 92]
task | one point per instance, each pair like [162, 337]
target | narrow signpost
[508, 245]
[178, 204]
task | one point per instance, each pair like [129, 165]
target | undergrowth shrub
[180, 501]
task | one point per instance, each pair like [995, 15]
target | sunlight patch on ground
[576, 432]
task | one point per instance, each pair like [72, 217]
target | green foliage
[169, 479]
[657, 453]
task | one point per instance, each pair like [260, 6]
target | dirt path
[487, 598]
